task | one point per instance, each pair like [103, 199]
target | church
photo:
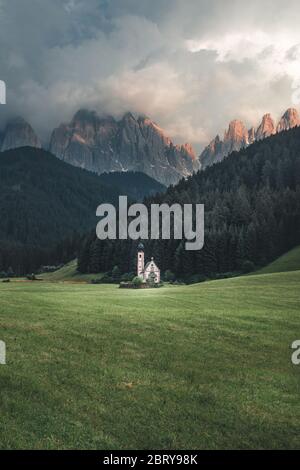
[147, 273]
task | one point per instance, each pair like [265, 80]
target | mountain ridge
[237, 136]
[103, 144]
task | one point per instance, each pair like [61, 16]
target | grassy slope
[68, 273]
[290, 261]
[203, 366]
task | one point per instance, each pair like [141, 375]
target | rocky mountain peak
[236, 136]
[188, 149]
[151, 131]
[236, 132]
[102, 144]
[266, 127]
[212, 152]
[251, 135]
[19, 133]
[289, 120]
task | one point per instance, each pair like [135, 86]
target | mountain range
[237, 136]
[103, 144]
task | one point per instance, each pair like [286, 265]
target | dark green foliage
[252, 214]
[137, 281]
[127, 277]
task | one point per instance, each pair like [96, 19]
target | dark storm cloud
[190, 65]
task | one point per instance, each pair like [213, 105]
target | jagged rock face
[212, 153]
[289, 120]
[104, 144]
[237, 136]
[18, 133]
[251, 135]
[266, 127]
[79, 142]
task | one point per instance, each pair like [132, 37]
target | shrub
[137, 281]
[127, 277]
[106, 279]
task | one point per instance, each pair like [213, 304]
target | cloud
[191, 66]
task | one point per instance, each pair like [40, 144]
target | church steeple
[140, 260]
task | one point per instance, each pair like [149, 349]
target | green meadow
[206, 366]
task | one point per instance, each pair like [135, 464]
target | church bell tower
[140, 261]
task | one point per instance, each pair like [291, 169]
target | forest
[252, 215]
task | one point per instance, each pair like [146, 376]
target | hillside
[133, 183]
[44, 201]
[92, 364]
[290, 261]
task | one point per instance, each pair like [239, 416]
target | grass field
[202, 366]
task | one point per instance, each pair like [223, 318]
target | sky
[190, 65]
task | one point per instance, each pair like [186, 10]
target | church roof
[150, 262]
